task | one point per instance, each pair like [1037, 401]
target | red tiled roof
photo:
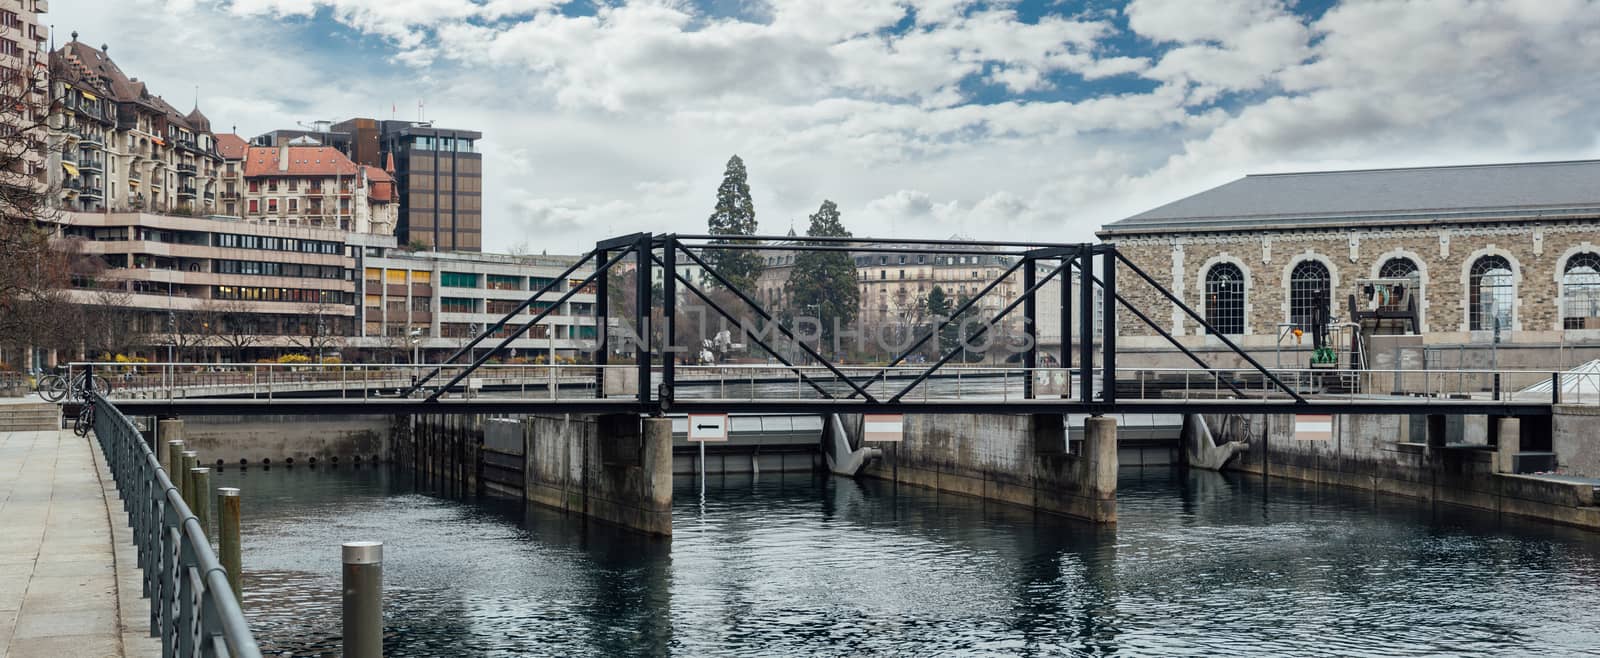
[303, 161]
[231, 146]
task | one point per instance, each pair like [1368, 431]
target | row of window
[270, 243]
[261, 268]
[263, 294]
[1491, 292]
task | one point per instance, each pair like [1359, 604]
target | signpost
[703, 428]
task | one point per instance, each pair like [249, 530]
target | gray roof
[1371, 195]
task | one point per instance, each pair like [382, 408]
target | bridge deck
[404, 406]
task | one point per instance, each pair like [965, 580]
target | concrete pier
[613, 468]
[69, 581]
[1018, 459]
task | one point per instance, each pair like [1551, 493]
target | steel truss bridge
[802, 379]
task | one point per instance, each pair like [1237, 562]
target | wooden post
[228, 515]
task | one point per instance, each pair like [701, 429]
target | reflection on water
[796, 564]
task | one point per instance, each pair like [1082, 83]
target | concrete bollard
[200, 488]
[190, 460]
[172, 458]
[363, 599]
[228, 539]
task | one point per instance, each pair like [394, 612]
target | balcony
[90, 164]
[186, 169]
[230, 174]
[91, 138]
[186, 191]
[230, 195]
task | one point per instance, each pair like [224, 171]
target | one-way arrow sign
[708, 427]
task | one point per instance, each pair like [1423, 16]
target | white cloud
[621, 121]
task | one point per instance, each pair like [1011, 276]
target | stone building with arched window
[1505, 254]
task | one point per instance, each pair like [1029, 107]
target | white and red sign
[1313, 427]
[883, 427]
[708, 427]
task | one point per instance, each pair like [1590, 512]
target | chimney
[283, 157]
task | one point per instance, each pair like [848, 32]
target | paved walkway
[60, 564]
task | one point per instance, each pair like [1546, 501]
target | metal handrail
[192, 608]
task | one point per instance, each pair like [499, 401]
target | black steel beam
[490, 330]
[602, 327]
[642, 306]
[409, 406]
[866, 240]
[1030, 318]
[1196, 316]
[1108, 330]
[1085, 326]
[1026, 294]
[768, 317]
[905, 354]
[572, 290]
[621, 242]
[669, 302]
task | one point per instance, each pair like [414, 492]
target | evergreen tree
[823, 283]
[735, 214]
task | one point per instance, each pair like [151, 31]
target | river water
[1200, 563]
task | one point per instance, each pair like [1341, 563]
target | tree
[823, 283]
[735, 214]
[235, 327]
[319, 330]
[33, 276]
[939, 307]
[108, 325]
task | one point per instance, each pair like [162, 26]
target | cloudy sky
[1032, 118]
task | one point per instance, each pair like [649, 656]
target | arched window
[1309, 292]
[1225, 298]
[1398, 267]
[1580, 292]
[1491, 292]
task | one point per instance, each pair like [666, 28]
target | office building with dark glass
[438, 175]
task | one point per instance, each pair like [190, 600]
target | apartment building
[217, 289]
[445, 299]
[118, 147]
[895, 286]
[301, 183]
[23, 71]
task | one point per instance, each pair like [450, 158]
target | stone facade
[1444, 251]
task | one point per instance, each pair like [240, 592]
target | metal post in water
[200, 494]
[363, 599]
[228, 545]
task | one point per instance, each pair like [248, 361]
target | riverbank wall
[1477, 462]
[1023, 460]
[290, 439]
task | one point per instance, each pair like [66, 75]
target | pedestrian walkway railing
[192, 607]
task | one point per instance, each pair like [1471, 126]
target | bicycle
[84, 423]
[55, 388]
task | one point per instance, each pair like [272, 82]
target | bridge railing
[816, 382]
[192, 607]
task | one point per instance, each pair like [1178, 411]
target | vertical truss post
[1066, 322]
[641, 312]
[669, 301]
[1108, 325]
[1085, 326]
[602, 328]
[1030, 357]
